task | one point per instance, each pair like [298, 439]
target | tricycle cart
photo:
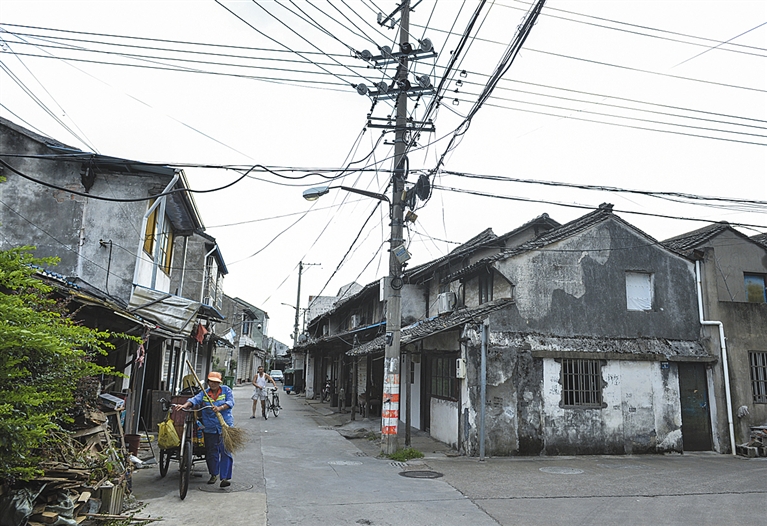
[192, 446]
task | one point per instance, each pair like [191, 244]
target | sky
[650, 96]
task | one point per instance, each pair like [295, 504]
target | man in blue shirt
[217, 399]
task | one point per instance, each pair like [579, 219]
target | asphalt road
[298, 469]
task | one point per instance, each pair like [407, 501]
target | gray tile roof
[761, 239]
[697, 237]
[428, 327]
[604, 212]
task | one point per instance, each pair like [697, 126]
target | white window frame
[640, 291]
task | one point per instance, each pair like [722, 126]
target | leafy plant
[403, 455]
[43, 356]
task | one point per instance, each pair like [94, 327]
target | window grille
[443, 380]
[581, 383]
[759, 376]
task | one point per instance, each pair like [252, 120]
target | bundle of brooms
[234, 437]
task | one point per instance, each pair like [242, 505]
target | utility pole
[391, 383]
[298, 304]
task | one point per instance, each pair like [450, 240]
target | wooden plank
[90, 431]
[84, 496]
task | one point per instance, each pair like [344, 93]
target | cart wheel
[186, 470]
[276, 410]
[164, 462]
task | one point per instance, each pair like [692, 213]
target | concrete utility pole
[391, 383]
[298, 304]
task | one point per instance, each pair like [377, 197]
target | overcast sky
[654, 96]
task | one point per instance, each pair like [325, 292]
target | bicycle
[273, 402]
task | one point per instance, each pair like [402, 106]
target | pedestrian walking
[259, 393]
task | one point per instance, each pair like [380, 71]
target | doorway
[696, 420]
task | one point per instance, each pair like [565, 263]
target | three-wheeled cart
[288, 380]
[192, 446]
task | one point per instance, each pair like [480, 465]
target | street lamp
[391, 380]
[312, 194]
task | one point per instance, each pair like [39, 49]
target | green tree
[43, 356]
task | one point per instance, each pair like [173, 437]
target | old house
[248, 326]
[116, 226]
[733, 282]
[582, 338]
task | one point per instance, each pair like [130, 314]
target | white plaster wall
[638, 405]
[310, 375]
[415, 393]
[444, 421]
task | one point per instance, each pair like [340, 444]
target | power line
[547, 13]
[570, 205]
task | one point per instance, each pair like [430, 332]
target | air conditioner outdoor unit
[446, 302]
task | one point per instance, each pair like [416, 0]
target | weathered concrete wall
[444, 421]
[72, 227]
[642, 413]
[577, 287]
[413, 304]
[732, 257]
[745, 327]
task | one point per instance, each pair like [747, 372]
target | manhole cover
[215, 488]
[562, 471]
[421, 474]
[344, 463]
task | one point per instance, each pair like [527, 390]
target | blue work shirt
[209, 418]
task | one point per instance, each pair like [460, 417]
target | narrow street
[298, 469]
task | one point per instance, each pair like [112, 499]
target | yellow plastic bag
[167, 437]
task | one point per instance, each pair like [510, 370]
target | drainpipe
[723, 346]
[483, 389]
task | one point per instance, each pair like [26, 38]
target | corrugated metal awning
[168, 310]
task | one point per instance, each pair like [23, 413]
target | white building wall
[641, 407]
[444, 421]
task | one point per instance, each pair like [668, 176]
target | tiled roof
[685, 243]
[761, 239]
[481, 239]
[599, 215]
[697, 237]
[428, 327]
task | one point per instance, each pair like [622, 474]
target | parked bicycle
[273, 401]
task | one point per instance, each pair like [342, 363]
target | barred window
[443, 381]
[581, 383]
[759, 376]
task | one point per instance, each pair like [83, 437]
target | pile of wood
[87, 476]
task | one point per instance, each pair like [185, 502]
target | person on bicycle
[217, 399]
[259, 393]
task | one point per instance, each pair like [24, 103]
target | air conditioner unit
[446, 302]
[356, 321]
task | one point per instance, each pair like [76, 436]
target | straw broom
[234, 437]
